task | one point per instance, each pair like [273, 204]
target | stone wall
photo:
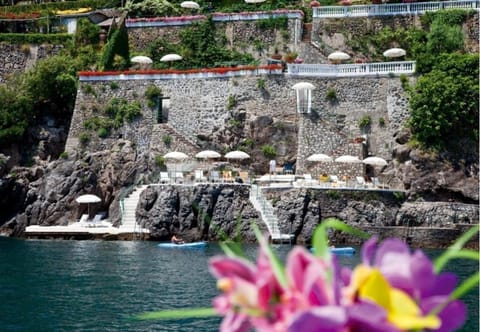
[201, 109]
[243, 36]
[337, 33]
[17, 58]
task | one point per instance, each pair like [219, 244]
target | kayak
[343, 251]
[188, 245]
[347, 251]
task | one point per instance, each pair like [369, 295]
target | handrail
[352, 70]
[392, 8]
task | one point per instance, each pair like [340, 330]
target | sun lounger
[227, 176]
[199, 177]
[361, 182]
[164, 178]
[214, 176]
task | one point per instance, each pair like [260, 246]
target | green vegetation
[231, 102]
[331, 94]
[201, 47]
[153, 93]
[444, 103]
[159, 161]
[381, 122]
[167, 140]
[272, 23]
[116, 54]
[261, 83]
[269, 151]
[364, 122]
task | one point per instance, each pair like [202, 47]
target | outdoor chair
[214, 176]
[199, 177]
[227, 176]
[309, 181]
[243, 175]
[164, 178]
[361, 182]
[288, 169]
[179, 177]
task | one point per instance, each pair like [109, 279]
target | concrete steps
[129, 224]
[265, 208]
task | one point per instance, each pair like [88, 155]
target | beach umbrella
[237, 155]
[303, 86]
[254, 1]
[175, 156]
[190, 4]
[338, 56]
[88, 199]
[207, 154]
[171, 57]
[141, 59]
[320, 157]
[348, 159]
[375, 161]
[394, 53]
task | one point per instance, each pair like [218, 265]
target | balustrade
[392, 8]
[351, 70]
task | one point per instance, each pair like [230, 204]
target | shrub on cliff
[444, 103]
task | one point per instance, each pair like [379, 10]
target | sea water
[99, 286]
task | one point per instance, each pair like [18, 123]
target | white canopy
[190, 4]
[394, 53]
[141, 59]
[303, 86]
[320, 157]
[171, 57]
[237, 155]
[348, 159]
[375, 161]
[89, 198]
[338, 56]
[207, 154]
[176, 155]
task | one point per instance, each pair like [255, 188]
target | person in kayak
[177, 240]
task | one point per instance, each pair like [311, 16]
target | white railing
[392, 9]
[146, 22]
[352, 70]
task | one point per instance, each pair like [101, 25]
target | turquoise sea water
[98, 286]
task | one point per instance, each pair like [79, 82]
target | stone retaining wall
[203, 108]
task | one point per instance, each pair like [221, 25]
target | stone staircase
[129, 224]
[261, 204]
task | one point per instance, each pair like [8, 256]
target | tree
[444, 103]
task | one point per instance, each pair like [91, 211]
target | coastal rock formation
[213, 212]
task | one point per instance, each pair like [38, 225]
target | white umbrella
[141, 59]
[171, 57]
[190, 4]
[254, 1]
[348, 159]
[237, 155]
[320, 157]
[394, 53]
[175, 155]
[88, 199]
[303, 86]
[375, 161]
[207, 154]
[338, 56]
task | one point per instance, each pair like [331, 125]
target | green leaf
[453, 250]
[178, 314]
[232, 249]
[468, 284]
[320, 237]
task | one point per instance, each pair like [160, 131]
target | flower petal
[227, 267]
[319, 319]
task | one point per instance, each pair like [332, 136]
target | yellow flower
[402, 311]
